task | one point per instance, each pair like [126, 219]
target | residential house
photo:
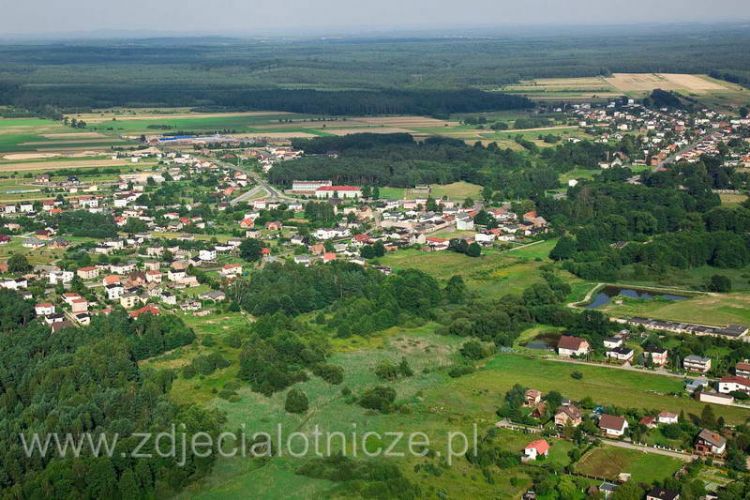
[569, 345]
[153, 276]
[624, 354]
[742, 369]
[667, 417]
[44, 309]
[613, 425]
[659, 493]
[568, 415]
[532, 397]
[658, 357]
[464, 222]
[728, 385]
[613, 342]
[710, 443]
[129, 300]
[88, 272]
[694, 363]
[114, 291]
[207, 255]
[147, 309]
[649, 421]
[231, 270]
[535, 449]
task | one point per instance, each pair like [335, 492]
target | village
[176, 237]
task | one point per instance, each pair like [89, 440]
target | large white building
[338, 192]
[309, 187]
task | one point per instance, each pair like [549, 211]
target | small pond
[605, 296]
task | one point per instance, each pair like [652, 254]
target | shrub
[296, 401]
[378, 398]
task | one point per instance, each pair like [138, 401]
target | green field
[456, 191]
[608, 461]
[712, 309]
[622, 388]
[436, 403]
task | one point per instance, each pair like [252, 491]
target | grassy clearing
[579, 174]
[607, 462]
[392, 193]
[456, 191]
[732, 200]
[494, 274]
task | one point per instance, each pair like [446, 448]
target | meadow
[608, 462]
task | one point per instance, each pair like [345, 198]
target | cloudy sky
[344, 16]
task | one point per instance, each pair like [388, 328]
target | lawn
[607, 462]
[392, 193]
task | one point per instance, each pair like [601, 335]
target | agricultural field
[39, 138]
[637, 85]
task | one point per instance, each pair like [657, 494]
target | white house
[667, 417]
[44, 309]
[613, 425]
[572, 346]
[114, 291]
[734, 384]
[207, 255]
[535, 449]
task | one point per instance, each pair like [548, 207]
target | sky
[299, 17]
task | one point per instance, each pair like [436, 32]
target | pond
[606, 295]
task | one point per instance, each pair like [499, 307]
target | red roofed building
[734, 384]
[537, 448]
[329, 256]
[247, 223]
[148, 308]
[572, 346]
[742, 369]
[363, 239]
[612, 425]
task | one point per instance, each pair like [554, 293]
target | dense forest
[399, 160]
[250, 74]
[672, 219]
[86, 380]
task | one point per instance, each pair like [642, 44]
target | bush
[577, 375]
[378, 398]
[460, 370]
[332, 374]
[296, 401]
